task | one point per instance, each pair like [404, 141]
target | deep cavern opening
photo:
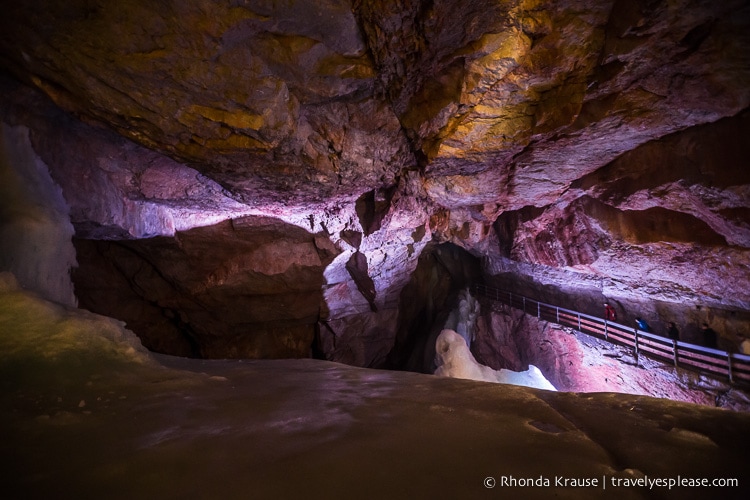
[244, 238]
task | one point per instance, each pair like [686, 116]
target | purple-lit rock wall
[508, 339]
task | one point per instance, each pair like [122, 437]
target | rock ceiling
[601, 138]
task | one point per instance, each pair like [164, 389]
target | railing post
[635, 330]
[523, 303]
[557, 313]
[579, 322]
[674, 348]
[538, 310]
[606, 332]
[510, 299]
[729, 361]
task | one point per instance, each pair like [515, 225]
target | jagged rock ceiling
[592, 140]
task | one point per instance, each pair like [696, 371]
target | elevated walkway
[712, 362]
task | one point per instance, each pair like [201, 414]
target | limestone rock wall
[263, 97]
[247, 288]
[513, 101]
[661, 232]
[115, 188]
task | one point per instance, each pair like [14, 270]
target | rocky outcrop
[248, 288]
[357, 268]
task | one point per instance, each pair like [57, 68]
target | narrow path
[712, 362]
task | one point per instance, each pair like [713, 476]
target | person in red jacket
[609, 312]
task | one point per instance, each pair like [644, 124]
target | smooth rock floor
[86, 413]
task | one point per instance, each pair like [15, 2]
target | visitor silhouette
[709, 336]
[673, 333]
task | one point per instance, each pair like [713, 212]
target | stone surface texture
[589, 149]
[258, 293]
[86, 410]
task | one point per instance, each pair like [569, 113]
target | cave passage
[289, 203]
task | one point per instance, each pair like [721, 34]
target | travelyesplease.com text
[605, 482]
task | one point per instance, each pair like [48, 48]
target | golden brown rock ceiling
[318, 97]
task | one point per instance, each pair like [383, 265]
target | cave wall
[510, 102]
[114, 188]
[648, 233]
[246, 288]
[304, 70]
[496, 103]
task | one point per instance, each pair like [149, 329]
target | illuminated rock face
[247, 288]
[594, 148]
[270, 100]
[508, 339]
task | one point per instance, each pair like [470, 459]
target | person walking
[642, 325]
[609, 312]
[709, 336]
[673, 333]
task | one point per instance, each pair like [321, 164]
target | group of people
[708, 333]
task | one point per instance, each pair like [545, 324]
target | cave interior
[203, 195]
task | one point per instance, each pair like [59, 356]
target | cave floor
[86, 412]
[311, 429]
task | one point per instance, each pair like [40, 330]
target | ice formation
[453, 359]
[58, 336]
[85, 412]
[463, 319]
[35, 229]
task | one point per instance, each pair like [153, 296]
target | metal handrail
[706, 360]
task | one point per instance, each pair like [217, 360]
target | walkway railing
[713, 362]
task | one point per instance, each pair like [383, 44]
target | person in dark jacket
[709, 336]
[673, 333]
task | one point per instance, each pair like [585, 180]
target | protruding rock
[248, 288]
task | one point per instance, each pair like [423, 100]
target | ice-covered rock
[84, 411]
[453, 359]
[35, 230]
